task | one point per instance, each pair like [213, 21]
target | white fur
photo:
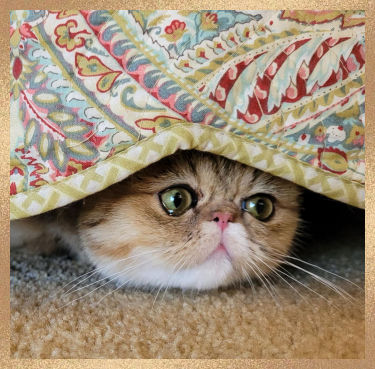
[145, 266]
[146, 269]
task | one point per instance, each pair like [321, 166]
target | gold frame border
[6, 362]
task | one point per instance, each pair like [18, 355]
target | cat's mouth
[220, 251]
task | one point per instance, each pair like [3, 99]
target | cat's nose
[222, 219]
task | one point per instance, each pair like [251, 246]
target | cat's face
[192, 220]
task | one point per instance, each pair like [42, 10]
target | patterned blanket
[98, 95]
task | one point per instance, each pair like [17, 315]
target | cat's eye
[177, 200]
[260, 206]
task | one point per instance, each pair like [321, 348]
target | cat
[193, 220]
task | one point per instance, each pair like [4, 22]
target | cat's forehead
[219, 175]
[203, 172]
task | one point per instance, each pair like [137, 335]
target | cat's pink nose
[222, 219]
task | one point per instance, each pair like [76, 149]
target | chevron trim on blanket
[182, 136]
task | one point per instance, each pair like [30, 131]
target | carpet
[294, 318]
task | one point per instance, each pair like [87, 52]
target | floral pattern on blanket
[89, 85]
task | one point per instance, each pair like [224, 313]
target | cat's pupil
[260, 206]
[177, 200]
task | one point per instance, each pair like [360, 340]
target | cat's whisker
[170, 277]
[260, 277]
[168, 255]
[278, 257]
[249, 280]
[129, 279]
[175, 250]
[274, 271]
[112, 279]
[325, 282]
[130, 267]
[320, 268]
[90, 273]
[110, 292]
[174, 272]
[106, 266]
[156, 296]
[264, 274]
[320, 279]
[265, 277]
[287, 274]
[121, 284]
[92, 283]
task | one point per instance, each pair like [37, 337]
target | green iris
[177, 200]
[259, 206]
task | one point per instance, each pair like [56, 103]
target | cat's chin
[216, 271]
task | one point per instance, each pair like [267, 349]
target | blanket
[98, 95]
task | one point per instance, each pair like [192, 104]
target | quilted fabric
[98, 95]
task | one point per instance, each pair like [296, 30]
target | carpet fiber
[298, 322]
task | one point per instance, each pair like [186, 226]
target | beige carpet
[232, 323]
